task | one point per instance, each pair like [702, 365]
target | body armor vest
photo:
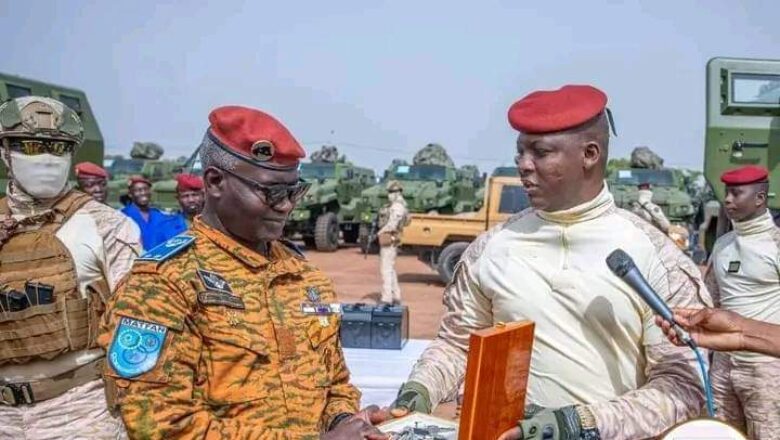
[62, 320]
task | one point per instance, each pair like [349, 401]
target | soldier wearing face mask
[62, 253]
[392, 219]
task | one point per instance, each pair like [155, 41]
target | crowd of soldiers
[224, 330]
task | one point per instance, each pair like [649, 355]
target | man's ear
[761, 198]
[591, 155]
[213, 182]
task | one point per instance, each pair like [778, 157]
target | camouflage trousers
[746, 395]
[391, 291]
[80, 413]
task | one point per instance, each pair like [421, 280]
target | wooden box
[496, 379]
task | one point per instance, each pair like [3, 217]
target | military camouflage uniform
[240, 359]
[649, 211]
[595, 342]
[744, 276]
[392, 221]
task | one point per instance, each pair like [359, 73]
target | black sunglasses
[34, 147]
[274, 195]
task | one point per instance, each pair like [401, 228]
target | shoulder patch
[294, 248]
[166, 250]
[136, 347]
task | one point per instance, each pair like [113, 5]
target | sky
[380, 79]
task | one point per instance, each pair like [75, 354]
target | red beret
[548, 111]
[136, 179]
[254, 136]
[188, 182]
[89, 169]
[745, 175]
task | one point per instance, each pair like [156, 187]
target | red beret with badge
[745, 175]
[89, 170]
[255, 137]
[138, 179]
[549, 111]
[188, 182]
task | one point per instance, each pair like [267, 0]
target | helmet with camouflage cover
[394, 186]
[37, 117]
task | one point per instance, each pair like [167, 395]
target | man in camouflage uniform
[61, 256]
[649, 211]
[744, 277]
[600, 368]
[392, 219]
[227, 332]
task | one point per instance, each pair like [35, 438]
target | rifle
[371, 237]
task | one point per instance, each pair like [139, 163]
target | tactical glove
[413, 396]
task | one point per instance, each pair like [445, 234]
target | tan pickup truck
[439, 240]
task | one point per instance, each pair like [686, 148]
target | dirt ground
[357, 280]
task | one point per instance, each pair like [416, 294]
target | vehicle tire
[449, 257]
[373, 247]
[326, 232]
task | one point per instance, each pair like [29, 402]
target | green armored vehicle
[145, 161]
[333, 203]
[91, 150]
[431, 185]
[668, 185]
[743, 127]
[675, 202]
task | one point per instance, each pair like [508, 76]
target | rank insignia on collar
[734, 266]
[214, 281]
[313, 294]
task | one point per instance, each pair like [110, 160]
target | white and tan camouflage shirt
[396, 217]
[595, 342]
[745, 265]
[649, 211]
[103, 243]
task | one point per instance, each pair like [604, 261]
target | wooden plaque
[496, 380]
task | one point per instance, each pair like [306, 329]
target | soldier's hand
[546, 424]
[413, 396]
[354, 428]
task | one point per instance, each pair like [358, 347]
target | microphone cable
[705, 378]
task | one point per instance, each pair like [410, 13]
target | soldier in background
[392, 219]
[156, 226]
[189, 193]
[743, 276]
[62, 255]
[93, 180]
[649, 211]
[227, 332]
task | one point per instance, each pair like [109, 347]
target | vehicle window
[751, 88]
[126, 166]
[72, 102]
[420, 172]
[17, 91]
[315, 171]
[513, 199]
[636, 176]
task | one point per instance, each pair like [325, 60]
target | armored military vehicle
[668, 186]
[333, 203]
[743, 127]
[431, 185]
[91, 150]
[145, 161]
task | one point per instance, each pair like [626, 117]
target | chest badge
[214, 281]
[734, 266]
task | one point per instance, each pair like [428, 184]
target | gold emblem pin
[263, 150]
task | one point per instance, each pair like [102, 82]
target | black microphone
[623, 266]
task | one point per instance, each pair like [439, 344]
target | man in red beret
[744, 277]
[93, 180]
[600, 369]
[227, 331]
[189, 193]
